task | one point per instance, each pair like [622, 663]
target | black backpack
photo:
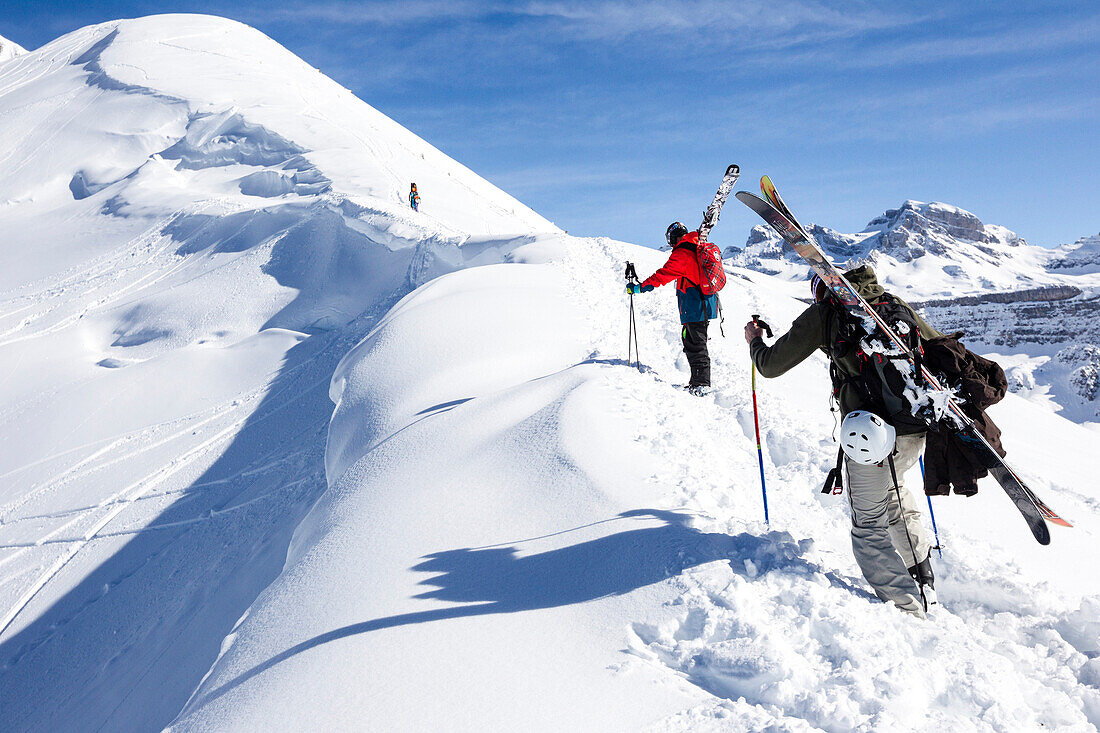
[885, 373]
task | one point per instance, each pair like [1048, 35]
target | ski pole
[632, 332]
[905, 526]
[756, 422]
[935, 531]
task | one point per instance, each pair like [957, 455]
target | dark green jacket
[815, 329]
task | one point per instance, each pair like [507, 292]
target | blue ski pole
[935, 531]
[759, 451]
[756, 421]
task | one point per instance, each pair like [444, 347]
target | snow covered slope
[525, 533]
[1083, 256]
[502, 525]
[196, 226]
[9, 50]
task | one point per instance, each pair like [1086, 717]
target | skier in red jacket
[696, 309]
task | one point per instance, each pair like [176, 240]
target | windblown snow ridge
[197, 227]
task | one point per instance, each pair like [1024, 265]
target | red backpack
[710, 264]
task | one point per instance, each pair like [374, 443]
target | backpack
[710, 264]
[887, 382]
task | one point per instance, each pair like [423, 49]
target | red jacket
[682, 264]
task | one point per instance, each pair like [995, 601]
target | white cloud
[776, 23]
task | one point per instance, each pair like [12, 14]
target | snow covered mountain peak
[195, 226]
[273, 125]
[10, 49]
[928, 249]
[915, 229]
[250, 152]
[501, 525]
[1083, 256]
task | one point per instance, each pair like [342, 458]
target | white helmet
[866, 438]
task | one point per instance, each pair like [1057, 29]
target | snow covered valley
[280, 453]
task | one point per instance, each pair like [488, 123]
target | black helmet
[675, 231]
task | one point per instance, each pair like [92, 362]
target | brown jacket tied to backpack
[981, 383]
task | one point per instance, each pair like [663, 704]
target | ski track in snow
[198, 309]
[128, 551]
[271, 483]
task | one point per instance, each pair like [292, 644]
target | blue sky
[615, 118]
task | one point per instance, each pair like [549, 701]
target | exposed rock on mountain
[983, 279]
[1082, 255]
[948, 250]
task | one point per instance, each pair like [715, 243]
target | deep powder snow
[500, 525]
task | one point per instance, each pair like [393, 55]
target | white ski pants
[879, 525]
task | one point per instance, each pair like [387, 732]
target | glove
[633, 289]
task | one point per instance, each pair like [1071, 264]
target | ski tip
[768, 189]
[1040, 531]
[1049, 515]
[733, 168]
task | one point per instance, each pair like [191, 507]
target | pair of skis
[779, 217]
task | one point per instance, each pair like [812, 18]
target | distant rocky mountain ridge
[900, 236]
[1008, 296]
[1084, 253]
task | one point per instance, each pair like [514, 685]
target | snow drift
[186, 255]
[501, 525]
[547, 538]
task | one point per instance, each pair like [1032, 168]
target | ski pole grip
[631, 274]
[762, 324]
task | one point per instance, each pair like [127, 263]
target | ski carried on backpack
[707, 253]
[710, 216]
[1035, 512]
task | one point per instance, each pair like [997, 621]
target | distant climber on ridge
[696, 309]
[889, 541]
[414, 198]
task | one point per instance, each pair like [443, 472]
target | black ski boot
[922, 573]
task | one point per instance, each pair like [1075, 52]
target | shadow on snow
[126, 646]
[497, 579]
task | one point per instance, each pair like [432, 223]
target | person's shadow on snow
[503, 581]
[498, 579]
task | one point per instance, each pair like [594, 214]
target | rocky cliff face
[917, 229]
[764, 250]
[1081, 255]
[926, 250]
